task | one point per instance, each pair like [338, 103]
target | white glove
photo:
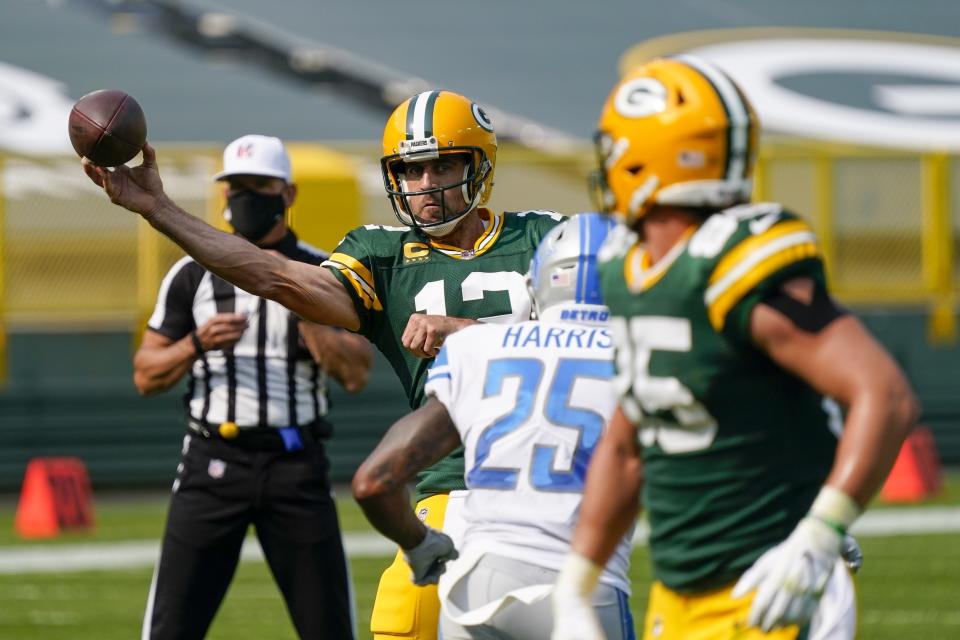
[429, 558]
[574, 617]
[791, 577]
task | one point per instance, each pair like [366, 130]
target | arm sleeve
[173, 315]
[351, 263]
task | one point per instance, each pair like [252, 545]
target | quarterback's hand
[574, 617]
[429, 558]
[139, 189]
[424, 334]
[791, 577]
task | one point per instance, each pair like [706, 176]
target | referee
[256, 403]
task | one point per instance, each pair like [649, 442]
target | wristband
[835, 508]
[197, 345]
[579, 575]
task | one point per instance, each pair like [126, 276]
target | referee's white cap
[255, 155]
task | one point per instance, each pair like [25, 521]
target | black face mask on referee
[252, 215]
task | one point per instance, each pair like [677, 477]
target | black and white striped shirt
[268, 378]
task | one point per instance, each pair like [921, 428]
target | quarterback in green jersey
[728, 347]
[452, 263]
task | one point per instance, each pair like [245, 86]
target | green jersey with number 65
[734, 447]
[393, 272]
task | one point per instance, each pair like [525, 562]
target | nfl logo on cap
[255, 155]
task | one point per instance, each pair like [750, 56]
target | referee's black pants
[219, 491]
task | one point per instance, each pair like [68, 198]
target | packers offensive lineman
[453, 262]
[727, 344]
[529, 402]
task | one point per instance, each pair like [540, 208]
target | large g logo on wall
[885, 89]
[33, 112]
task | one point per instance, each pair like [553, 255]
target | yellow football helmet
[678, 132]
[424, 127]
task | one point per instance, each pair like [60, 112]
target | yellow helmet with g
[676, 132]
[423, 128]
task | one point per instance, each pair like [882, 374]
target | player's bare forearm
[229, 256]
[391, 514]
[413, 443]
[160, 363]
[845, 362]
[882, 410]
[345, 356]
[312, 292]
[611, 498]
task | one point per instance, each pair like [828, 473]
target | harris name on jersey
[522, 336]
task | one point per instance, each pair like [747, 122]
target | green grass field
[909, 587]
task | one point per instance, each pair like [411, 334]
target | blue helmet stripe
[597, 228]
[581, 261]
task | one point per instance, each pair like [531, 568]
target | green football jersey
[734, 447]
[394, 272]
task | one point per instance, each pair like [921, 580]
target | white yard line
[135, 554]
[917, 521]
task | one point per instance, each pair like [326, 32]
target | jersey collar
[487, 239]
[638, 271]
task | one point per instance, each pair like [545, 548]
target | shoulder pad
[538, 212]
[382, 227]
[749, 247]
[752, 210]
[618, 242]
[728, 228]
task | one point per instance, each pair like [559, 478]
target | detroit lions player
[529, 402]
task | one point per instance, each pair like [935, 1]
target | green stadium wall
[72, 395]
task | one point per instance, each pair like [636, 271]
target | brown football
[108, 127]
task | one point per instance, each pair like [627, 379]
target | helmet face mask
[564, 279]
[425, 128]
[471, 186]
[601, 195]
[675, 132]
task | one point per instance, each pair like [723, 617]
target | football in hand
[107, 127]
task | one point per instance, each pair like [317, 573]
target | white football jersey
[530, 401]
